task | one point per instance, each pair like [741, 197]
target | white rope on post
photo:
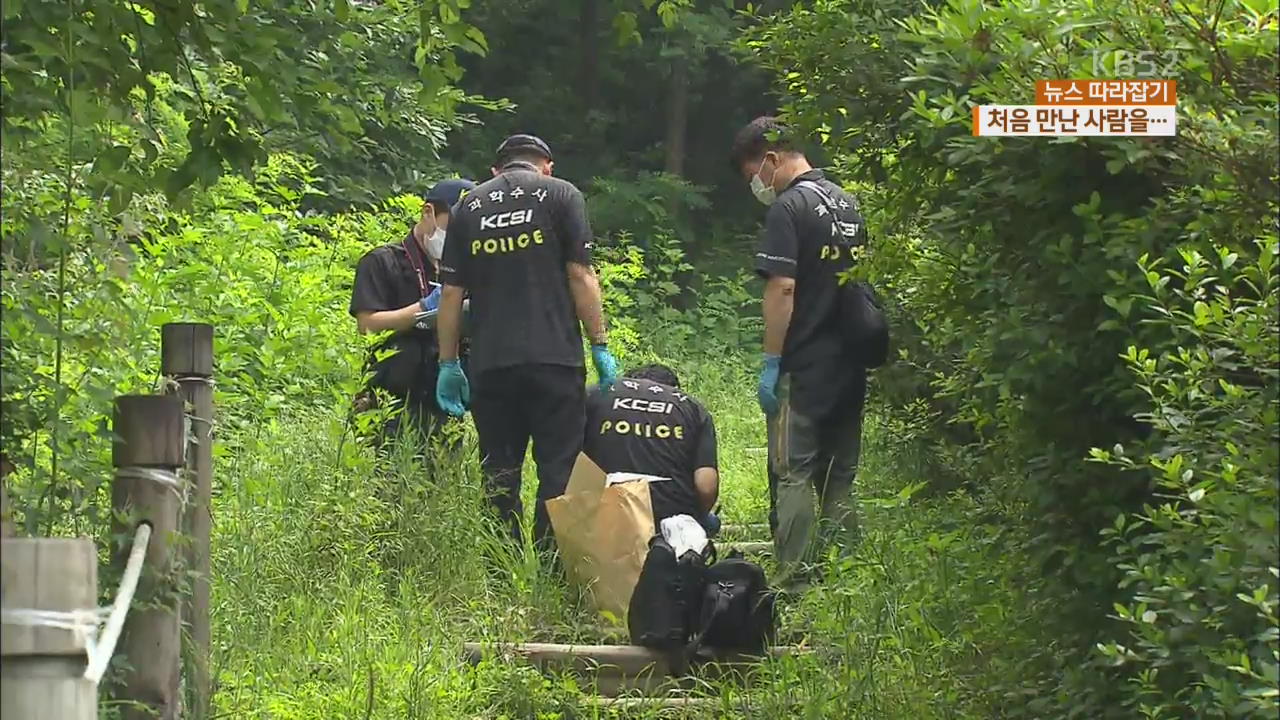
[84, 623]
[101, 653]
[190, 378]
[167, 478]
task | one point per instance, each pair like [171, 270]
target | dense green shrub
[273, 282]
[641, 288]
[1014, 263]
[1200, 562]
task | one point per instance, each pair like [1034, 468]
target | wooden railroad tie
[661, 703]
[616, 669]
[748, 548]
[744, 531]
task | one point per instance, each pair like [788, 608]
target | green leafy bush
[1013, 265]
[274, 283]
[367, 88]
[1201, 563]
[643, 206]
[649, 306]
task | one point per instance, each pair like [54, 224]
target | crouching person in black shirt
[393, 284]
[646, 425]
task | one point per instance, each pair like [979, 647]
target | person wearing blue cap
[393, 284]
[520, 244]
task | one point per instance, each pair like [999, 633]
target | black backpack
[666, 603]
[737, 612]
[860, 314]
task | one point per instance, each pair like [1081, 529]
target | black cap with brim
[523, 145]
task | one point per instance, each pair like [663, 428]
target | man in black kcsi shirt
[812, 388]
[647, 425]
[520, 245]
[393, 284]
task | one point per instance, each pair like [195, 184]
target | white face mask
[435, 244]
[764, 193]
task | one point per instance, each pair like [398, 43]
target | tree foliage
[1017, 268]
[1086, 327]
[366, 87]
[597, 83]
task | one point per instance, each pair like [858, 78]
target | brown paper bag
[603, 534]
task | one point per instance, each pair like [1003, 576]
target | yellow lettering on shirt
[507, 243]
[837, 252]
[661, 431]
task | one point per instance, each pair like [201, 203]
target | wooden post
[42, 669]
[150, 436]
[6, 519]
[186, 355]
[6, 523]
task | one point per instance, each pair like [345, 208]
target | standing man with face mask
[520, 245]
[393, 284]
[811, 389]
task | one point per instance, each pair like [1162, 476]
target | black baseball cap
[521, 144]
[447, 192]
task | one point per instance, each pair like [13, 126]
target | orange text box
[1106, 92]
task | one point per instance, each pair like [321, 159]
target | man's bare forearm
[706, 481]
[779, 298]
[398, 320]
[449, 321]
[585, 288]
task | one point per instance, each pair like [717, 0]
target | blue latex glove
[711, 523]
[767, 393]
[453, 392]
[430, 302]
[606, 366]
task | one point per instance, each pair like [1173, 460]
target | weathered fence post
[50, 591]
[6, 518]
[6, 524]
[150, 447]
[186, 356]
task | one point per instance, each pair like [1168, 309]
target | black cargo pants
[419, 419]
[511, 406]
[810, 460]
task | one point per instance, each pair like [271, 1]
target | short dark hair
[660, 374]
[525, 157]
[762, 135]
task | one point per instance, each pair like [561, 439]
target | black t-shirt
[641, 426]
[508, 243]
[802, 241]
[387, 279]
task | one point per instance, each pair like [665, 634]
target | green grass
[342, 590]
